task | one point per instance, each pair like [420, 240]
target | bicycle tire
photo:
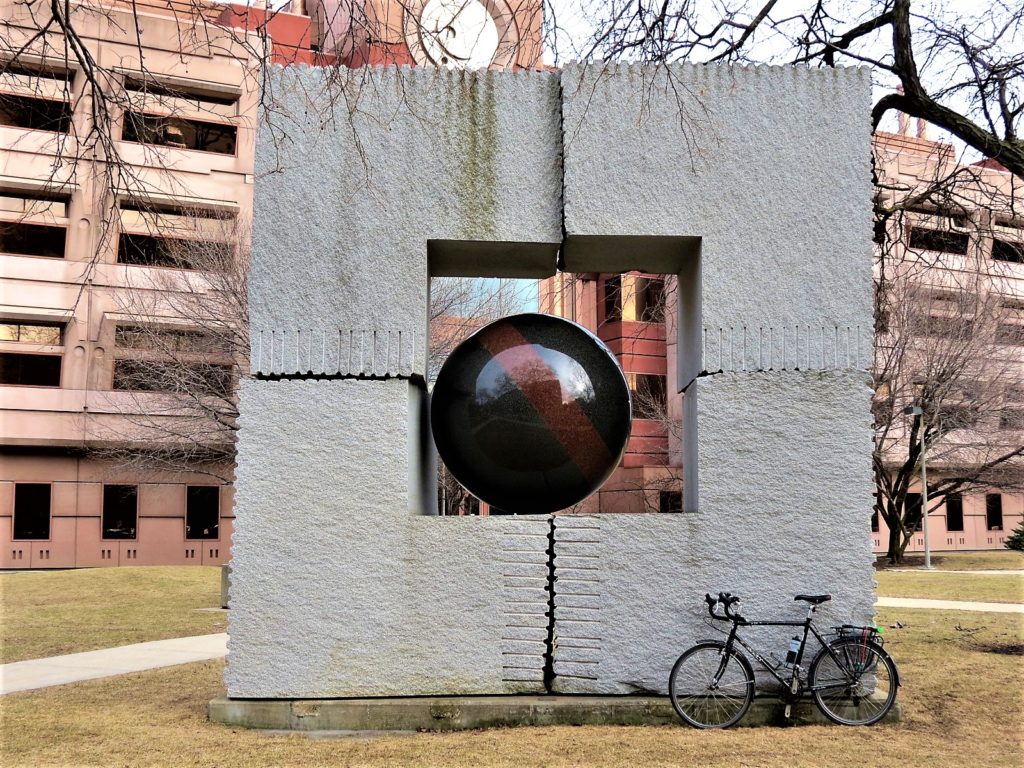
[861, 687]
[701, 703]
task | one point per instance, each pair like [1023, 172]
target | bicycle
[852, 679]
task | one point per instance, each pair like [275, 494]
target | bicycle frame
[807, 624]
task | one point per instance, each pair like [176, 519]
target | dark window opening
[168, 340]
[912, 511]
[650, 298]
[1005, 251]
[1010, 333]
[120, 511]
[196, 212]
[24, 239]
[612, 299]
[154, 88]
[35, 114]
[152, 251]
[954, 512]
[994, 511]
[202, 513]
[649, 397]
[30, 370]
[942, 326]
[31, 333]
[923, 239]
[32, 510]
[1012, 418]
[179, 133]
[879, 224]
[874, 522]
[957, 416]
[670, 501]
[195, 379]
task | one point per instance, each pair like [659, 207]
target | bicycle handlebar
[728, 600]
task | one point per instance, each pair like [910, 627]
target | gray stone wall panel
[785, 485]
[332, 572]
[352, 187]
[768, 165]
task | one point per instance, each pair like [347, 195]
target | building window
[1006, 251]
[650, 299]
[120, 511]
[994, 511]
[670, 501]
[32, 510]
[21, 238]
[1010, 333]
[945, 241]
[168, 340]
[180, 253]
[198, 96]
[954, 512]
[196, 379]
[30, 370]
[31, 333]
[648, 395]
[202, 514]
[180, 133]
[35, 114]
[912, 507]
[1012, 418]
[612, 298]
[874, 522]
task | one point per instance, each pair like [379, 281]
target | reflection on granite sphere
[531, 414]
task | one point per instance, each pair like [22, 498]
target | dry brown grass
[936, 585]
[55, 612]
[993, 560]
[962, 706]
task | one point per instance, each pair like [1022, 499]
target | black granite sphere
[531, 414]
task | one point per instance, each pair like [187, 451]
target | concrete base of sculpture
[453, 713]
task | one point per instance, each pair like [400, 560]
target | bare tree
[949, 337]
[458, 308]
[962, 74]
[180, 344]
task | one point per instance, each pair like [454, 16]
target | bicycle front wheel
[853, 682]
[711, 687]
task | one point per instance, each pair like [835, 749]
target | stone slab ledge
[452, 713]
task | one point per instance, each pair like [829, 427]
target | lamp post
[918, 411]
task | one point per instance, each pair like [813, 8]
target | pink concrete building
[80, 244]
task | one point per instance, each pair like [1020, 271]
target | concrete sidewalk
[948, 605]
[75, 667]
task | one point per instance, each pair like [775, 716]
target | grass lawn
[960, 699]
[952, 586]
[993, 560]
[54, 612]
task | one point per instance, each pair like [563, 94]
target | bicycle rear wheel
[711, 687]
[855, 684]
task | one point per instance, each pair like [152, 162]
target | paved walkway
[949, 605]
[75, 667]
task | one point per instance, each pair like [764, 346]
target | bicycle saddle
[814, 599]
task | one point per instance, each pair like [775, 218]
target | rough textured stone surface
[784, 465]
[746, 159]
[350, 193]
[339, 589]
